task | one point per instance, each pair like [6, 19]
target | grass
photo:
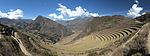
[89, 42]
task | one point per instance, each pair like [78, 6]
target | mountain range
[90, 36]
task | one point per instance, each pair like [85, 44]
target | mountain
[112, 36]
[47, 29]
[17, 23]
[77, 24]
[8, 21]
[105, 23]
[101, 36]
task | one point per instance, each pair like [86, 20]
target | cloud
[94, 14]
[135, 10]
[136, 1]
[53, 15]
[3, 15]
[17, 14]
[68, 14]
[143, 13]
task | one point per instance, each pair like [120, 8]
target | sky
[69, 9]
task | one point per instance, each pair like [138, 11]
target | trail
[148, 44]
[0, 36]
[23, 49]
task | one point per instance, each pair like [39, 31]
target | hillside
[106, 36]
[144, 18]
[106, 24]
[47, 29]
[14, 43]
[129, 38]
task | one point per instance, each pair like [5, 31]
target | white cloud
[68, 14]
[15, 14]
[143, 13]
[94, 14]
[135, 10]
[12, 14]
[11, 9]
[136, 1]
[55, 16]
[3, 15]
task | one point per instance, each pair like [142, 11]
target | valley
[109, 38]
[74, 28]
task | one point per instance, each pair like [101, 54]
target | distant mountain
[77, 24]
[17, 23]
[12, 21]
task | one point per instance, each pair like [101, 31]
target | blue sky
[33, 8]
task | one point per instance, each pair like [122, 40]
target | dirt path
[148, 44]
[23, 49]
[0, 36]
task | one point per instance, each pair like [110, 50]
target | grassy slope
[105, 25]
